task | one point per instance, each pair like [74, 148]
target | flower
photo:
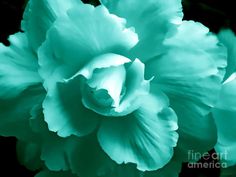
[73, 86]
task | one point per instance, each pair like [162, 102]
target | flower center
[104, 88]
[112, 88]
[100, 97]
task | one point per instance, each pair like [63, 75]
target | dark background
[215, 14]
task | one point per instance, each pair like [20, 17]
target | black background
[215, 14]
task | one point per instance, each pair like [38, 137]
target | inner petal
[100, 98]
[110, 79]
[115, 90]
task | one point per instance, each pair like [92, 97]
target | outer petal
[55, 151]
[146, 137]
[52, 149]
[190, 73]
[20, 87]
[15, 113]
[81, 156]
[228, 38]
[152, 21]
[91, 160]
[225, 117]
[18, 67]
[65, 113]
[74, 40]
[40, 15]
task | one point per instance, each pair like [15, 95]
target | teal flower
[89, 89]
[225, 110]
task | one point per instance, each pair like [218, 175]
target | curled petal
[105, 76]
[135, 88]
[131, 90]
[110, 80]
[101, 62]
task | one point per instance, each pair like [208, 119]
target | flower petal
[146, 137]
[190, 73]
[131, 93]
[91, 160]
[82, 156]
[135, 88]
[76, 39]
[225, 117]
[19, 67]
[101, 62]
[40, 15]
[15, 113]
[55, 150]
[152, 21]
[228, 38]
[106, 73]
[64, 111]
[110, 80]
